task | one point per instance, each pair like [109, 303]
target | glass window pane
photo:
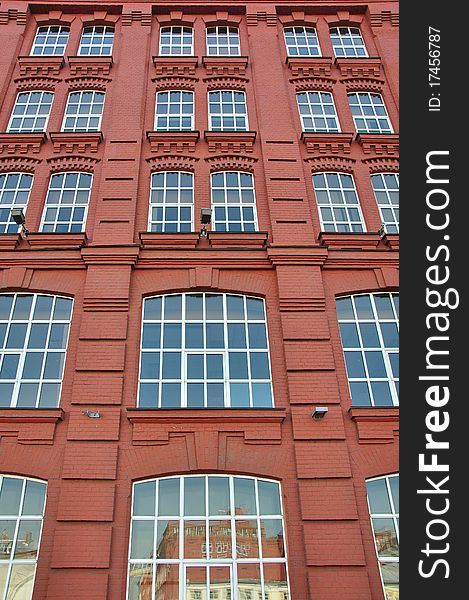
[378, 496]
[245, 496]
[194, 496]
[144, 498]
[168, 497]
[141, 546]
[218, 496]
[10, 496]
[272, 538]
[34, 498]
[167, 540]
[140, 581]
[269, 498]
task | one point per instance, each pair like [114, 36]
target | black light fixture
[205, 219]
[319, 412]
[18, 217]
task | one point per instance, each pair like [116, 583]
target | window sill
[30, 425]
[9, 241]
[172, 241]
[225, 66]
[175, 66]
[349, 240]
[238, 239]
[310, 66]
[173, 141]
[376, 424]
[76, 142]
[379, 143]
[21, 143]
[57, 240]
[362, 68]
[206, 415]
[40, 66]
[90, 66]
[230, 141]
[327, 143]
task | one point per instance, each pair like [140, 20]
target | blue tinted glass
[171, 395]
[269, 498]
[257, 335]
[378, 496]
[195, 366]
[383, 306]
[5, 306]
[28, 395]
[214, 366]
[235, 307]
[236, 335]
[194, 306]
[151, 335]
[150, 365]
[349, 335]
[195, 395]
[215, 335]
[375, 364]
[369, 335]
[6, 393]
[173, 307]
[49, 397]
[168, 497]
[215, 395]
[54, 365]
[255, 308]
[9, 366]
[259, 365]
[16, 335]
[354, 363]
[63, 309]
[214, 307]
[148, 395]
[261, 395]
[152, 308]
[363, 307]
[344, 308]
[394, 485]
[381, 393]
[238, 365]
[239, 393]
[171, 365]
[22, 308]
[194, 335]
[394, 358]
[58, 335]
[172, 335]
[390, 335]
[43, 308]
[360, 394]
[194, 496]
[3, 330]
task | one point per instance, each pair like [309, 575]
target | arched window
[207, 536]
[50, 40]
[171, 202]
[227, 111]
[96, 40]
[383, 502]
[386, 189]
[31, 112]
[67, 202]
[204, 351]
[317, 112]
[223, 41]
[233, 201]
[174, 111]
[338, 205]
[302, 41]
[22, 504]
[369, 113]
[347, 42]
[176, 40]
[369, 328]
[33, 342]
[84, 111]
[14, 193]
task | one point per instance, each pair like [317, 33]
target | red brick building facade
[294, 107]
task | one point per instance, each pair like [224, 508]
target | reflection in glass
[167, 539]
[166, 582]
[275, 581]
[140, 581]
[272, 538]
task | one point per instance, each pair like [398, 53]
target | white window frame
[172, 46]
[216, 224]
[321, 103]
[339, 32]
[394, 515]
[92, 30]
[224, 351]
[384, 350]
[13, 203]
[332, 224]
[183, 562]
[390, 225]
[179, 115]
[18, 380]
[228, 30]
[20, 518]
[36, 116]
[164, 205]
[296, 31]
[87, 116]
[73, 205]
[358, 108]
[221, 114]
[46, 30]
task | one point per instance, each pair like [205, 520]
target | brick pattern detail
[40, 66]
[382, 164]
[24, 164]
[231, 163]
[378, 19]
[33, 82]
[90, 66]
[355, 84]
[13, 14]
[86, 501]
[72, 163]
[84, 460]
[327, 143]
[315, 67]
[229, 142]
[136, 16]
[79, 143]
[81, 545]
[172, 163]
[21, 143]
[87, 83]
[177, 141]
[331, 163]
[175, 66]
[380, 144]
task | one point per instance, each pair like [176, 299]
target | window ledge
[327, 143]
[359, 67]
[76, 142]
[237, 239]
[206, 415]
[64, 241]
[310, 66]
[349, 240]
[376, 424]
[9, 241]
[175, 66]
[21, 143]
[90, 66]
[151, 239]
[173, 141]
[374, 413]
[230, 141]
[379, 143]
[44, 66]
[30, 425]
[231, 66]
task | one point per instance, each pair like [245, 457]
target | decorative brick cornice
[297, 17]
[378, 19]
[90, 66]
[57, 240]
[13, 14]
[175, 83]
[382, 164]
[327, 143]
[136, 16]
[310, 66]
[362, 68]
[76, 142]
[226, 83]
[351, 240]
[231, 163]
[230, 141]
[176, 17]
[17, 163]
[21, 143]
[331, 163]
[54, 17]
[40, 66]
[108, 255]
[379, 143]
[232, 239]
[376, 424]
[225, 65]
[175, 66]
[314, 256]
[30, 425]
[363, 85]
[9, 241]
[222, 18]
[72, 163]
[173, 141]
[100, 17]
[343, 17]
[34, 83]
[87, 83]
[172, 241]
[172, 163]
[255, 18]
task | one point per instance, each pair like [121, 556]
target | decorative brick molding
[379, 143]
[225, 65]
[383, 164]
[13, 14]
[378, 19]
[231, 163]
[172, 163]
[312, 66]
[30, 426]
[9, 241]
[76, 142]
[21, 164]
[344, 17]
[21, 143]
[57, 240]
[226, 83]
[175, 66]
[90, 66]
[105, 305]
[176, 17]
[351, 240]
[363, 85]
[254, 19]
[376, 424]
[173, 141]
[175, 83]
[331, 163]
[72, 163]
[327, 143]
[302, 304]
[136, 16]
[296, 17]
[235, 239]
[149, 239]
[35, 83]
[362, 68]
[100, 17]
[87, 83]
[54, 17]
[230, 141]
[312, 84]
[222, 18]
[40, 66]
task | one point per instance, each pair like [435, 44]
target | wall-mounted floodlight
[319, 412]
[205, 219]
[18, 217]
[92, 414]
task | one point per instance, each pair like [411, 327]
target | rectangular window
[171, 202]
[386, 189]
[227, 111]
[369, 113]
[223, 41]
[348, 42]
[50, 40]
[31, 112]
[67, 201]
[174, 111]
[302, 41]
[317, 112]
[176, 41]
[233, 201]
[14, 193]
[338, 204]
[84, 111]
[96, 41]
